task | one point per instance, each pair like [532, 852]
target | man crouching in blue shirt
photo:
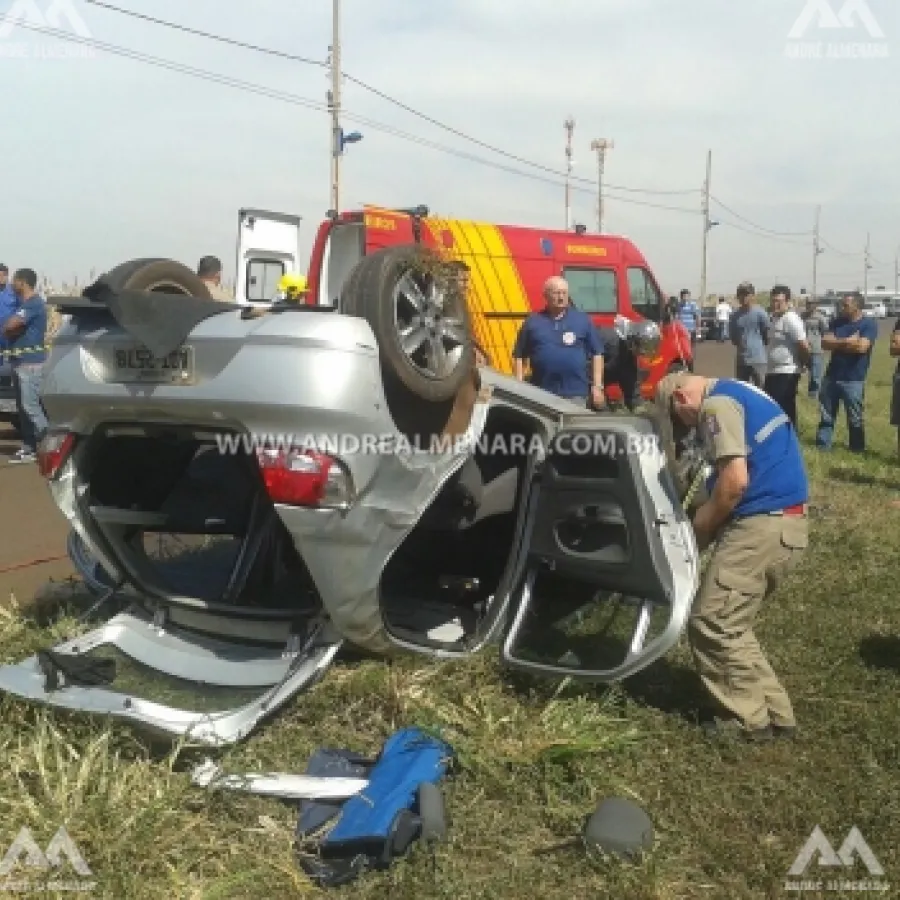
[560, 342]
[26, 331]
[755, 519]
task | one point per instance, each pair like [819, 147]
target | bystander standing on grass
[788, 352]
[850, 339]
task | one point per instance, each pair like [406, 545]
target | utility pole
[601, 145]
[897, 273]
[334, 105]
[817, 251]
[569, 125]
[706, 226]
[866, 274]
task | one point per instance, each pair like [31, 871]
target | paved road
[31, 528]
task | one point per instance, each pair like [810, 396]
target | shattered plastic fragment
[274, 784]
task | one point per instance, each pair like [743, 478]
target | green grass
[535, 757]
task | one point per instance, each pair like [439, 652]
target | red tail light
[305, 478]
[53, 451]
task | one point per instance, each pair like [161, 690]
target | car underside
[231, 565]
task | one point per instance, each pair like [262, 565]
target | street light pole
[601, 145]
[817, 252]
[706, 226]
[569, 125]
[334, 103]
[866, 273]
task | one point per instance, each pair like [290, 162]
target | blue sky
[107, 158]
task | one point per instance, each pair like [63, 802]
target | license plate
[137, 364]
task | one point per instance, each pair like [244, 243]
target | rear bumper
[278, 675]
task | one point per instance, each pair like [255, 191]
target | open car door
[611, 565]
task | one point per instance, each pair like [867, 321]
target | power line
[838, 252]
[762, 234]
[761, 228]
[286, 97]
[377, 93]
[205, 34]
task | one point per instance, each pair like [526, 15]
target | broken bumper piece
[205, 665]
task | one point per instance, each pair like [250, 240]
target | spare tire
[157, 275]
[421, 323]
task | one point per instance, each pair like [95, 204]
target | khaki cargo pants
[750, 559]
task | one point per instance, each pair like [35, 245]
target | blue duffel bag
[379, 824]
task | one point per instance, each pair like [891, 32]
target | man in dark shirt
[560, 342]
[8, 304]
[26, 332]
[850, 339]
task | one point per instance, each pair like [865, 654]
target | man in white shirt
[723, 315]
[788, 352]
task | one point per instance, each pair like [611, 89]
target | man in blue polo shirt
[26, 332]
[850, 338]
[755, 515]
[561, 342]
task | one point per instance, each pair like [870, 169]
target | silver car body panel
[277, 784]
[279, 674]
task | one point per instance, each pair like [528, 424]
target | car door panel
[608, 531]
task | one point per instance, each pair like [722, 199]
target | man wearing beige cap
[755, 519]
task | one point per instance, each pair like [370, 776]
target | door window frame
[648, 280]
[265, 261]
[567, 270]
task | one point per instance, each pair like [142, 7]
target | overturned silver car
[248, 490]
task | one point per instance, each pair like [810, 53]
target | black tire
[155, 274]
[371, 294]
[432, 813]
[118, 277]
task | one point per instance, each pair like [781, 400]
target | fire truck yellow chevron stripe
[483, 291]
[479, 296]
[500, 275]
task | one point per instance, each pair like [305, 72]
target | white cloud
[118, 158]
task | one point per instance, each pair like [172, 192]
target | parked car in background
[707, 322]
